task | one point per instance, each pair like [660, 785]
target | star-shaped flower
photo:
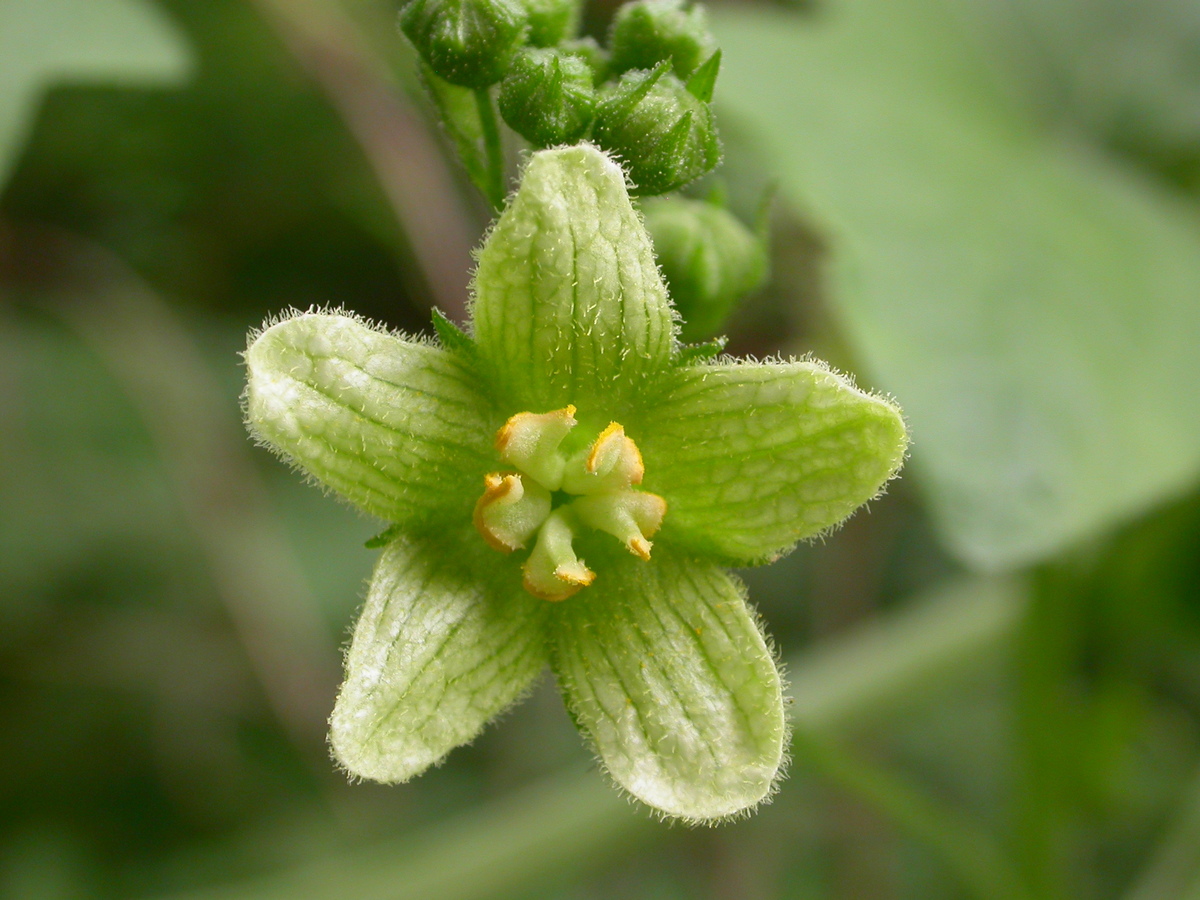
[525, 471]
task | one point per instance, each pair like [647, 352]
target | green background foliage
[987, 209]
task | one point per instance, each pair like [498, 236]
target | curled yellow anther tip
[576, 575]
[522, 423]
[570, 580]
[614, 451]
[496, 488]
[510, 511]
[640, 547]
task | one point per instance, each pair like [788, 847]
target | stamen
[613, 462]
[530, 442]
[510, 510]
[629, 516]
[553, 571]
[514, 507]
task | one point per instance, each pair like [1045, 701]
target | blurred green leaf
[1128, 73]
[1032, 304]
[47, 41]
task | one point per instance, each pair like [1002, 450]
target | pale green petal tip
[668, 673]
[370, 759]
[580, 163]
[277, 357]
[712, 797]
[885, 443]
[439, 651]
[569, 304]
[398, 427]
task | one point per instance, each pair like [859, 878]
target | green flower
[537, 460]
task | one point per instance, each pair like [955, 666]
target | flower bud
[663, 134]
[591, 53]
[709, 259]
[547, 97]
[551, 21]
[646, 32]
[466, 42]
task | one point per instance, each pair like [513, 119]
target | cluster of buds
[646, 98]
[709, 259]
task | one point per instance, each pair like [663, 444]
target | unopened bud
[466, 42]
[547, 97]
[709, 259]
[551, 21]
[663, 134]
[590, 52]
[646, 32]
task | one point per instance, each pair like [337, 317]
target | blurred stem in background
[979, 861]
[406, 158]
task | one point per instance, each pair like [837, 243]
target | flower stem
[494, 152]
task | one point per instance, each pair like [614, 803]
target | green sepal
[694, 353]
[664, 135]
[569, 306]
[551, 21]
[452, 337]
[665, 669]
[447, 640]
[384, 537]
[466, 42]
[399, 428]
[703, 82]
[547, 97]
[646, 32]
[753, 457]
[710, 260]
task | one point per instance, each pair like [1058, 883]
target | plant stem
[1049, 734]
[492, 148]
[408, 164]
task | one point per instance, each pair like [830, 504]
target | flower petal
[399, 428]
[447, 640]
[753, 457]
[569, 304]
[665, 668]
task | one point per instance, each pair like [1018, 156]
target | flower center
[596, 483]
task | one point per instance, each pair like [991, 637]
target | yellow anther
[629, 516]
[615, 453]
[516, 506]
[553, 571]
[510, 511]
[530, 442]
[612, 462]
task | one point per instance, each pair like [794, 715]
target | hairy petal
[753, 457]
[569, 305]
[399, 428]
[664, 667]
[447, 640]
